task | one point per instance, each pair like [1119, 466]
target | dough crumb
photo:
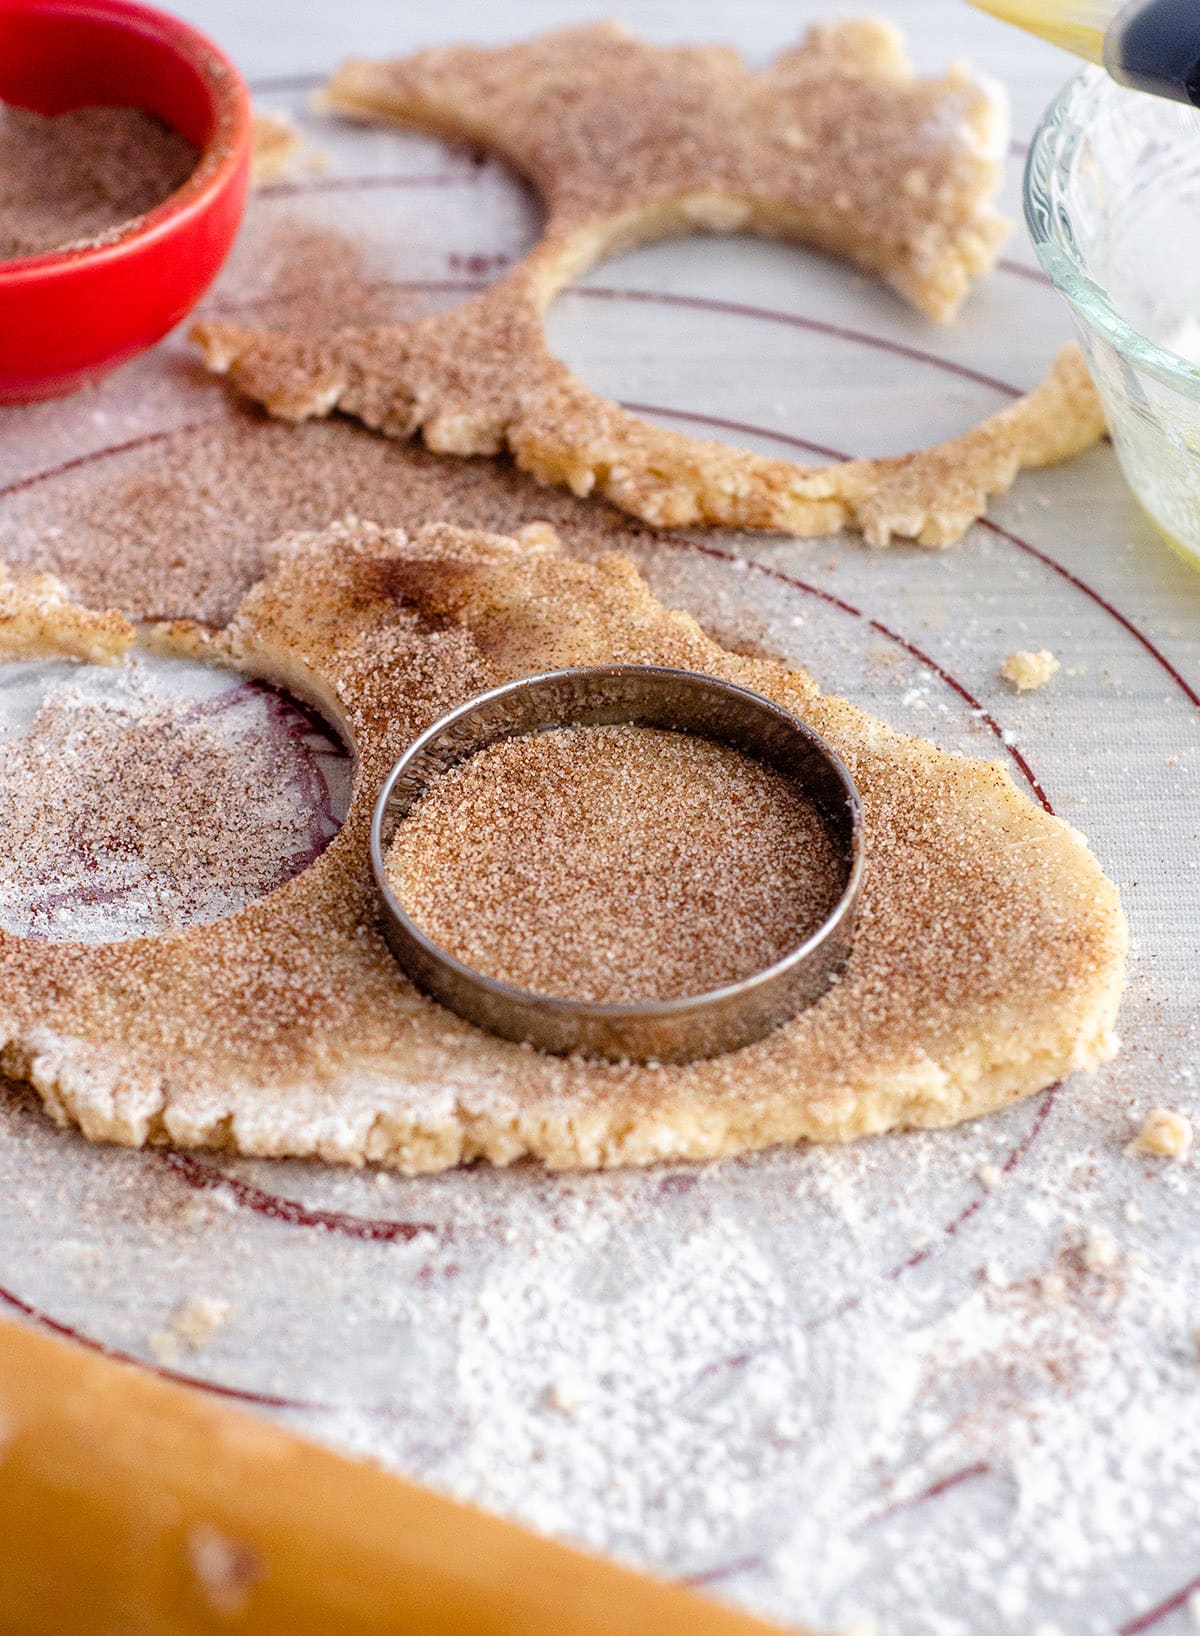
[198, 1320]
[1054, 1287]
[275, 144]
[196, 1213]
[1026, 670]
[225, 1569]
[1165, 1134]
[539, 536]
[566, 1395]
[1133, 1214]
[164, 1348]
[192, 1325]
[1101, 1253]
[990, 1176]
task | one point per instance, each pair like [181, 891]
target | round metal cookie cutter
[676, 1030]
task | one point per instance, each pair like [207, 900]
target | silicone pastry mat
[835, 1385]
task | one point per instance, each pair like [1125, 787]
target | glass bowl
[1112, 199]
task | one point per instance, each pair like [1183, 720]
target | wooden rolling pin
[132, 1507]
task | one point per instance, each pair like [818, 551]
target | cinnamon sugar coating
[83, 177]
[615, 864]
[836, 144]
[988, 959]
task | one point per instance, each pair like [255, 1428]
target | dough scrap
[837, 144]
[988, 960]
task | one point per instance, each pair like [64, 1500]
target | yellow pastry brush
[1150, 45]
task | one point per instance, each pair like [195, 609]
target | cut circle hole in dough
[159, 793]
[836, 144]
[692, 334]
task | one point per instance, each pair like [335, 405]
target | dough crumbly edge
[286, 1029]
[836, 144]
[39, 620]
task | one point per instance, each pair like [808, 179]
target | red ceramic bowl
[69, 317]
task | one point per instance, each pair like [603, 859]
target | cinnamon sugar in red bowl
[78, 180]
[71, 314]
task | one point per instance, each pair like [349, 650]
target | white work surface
[828, 1384]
